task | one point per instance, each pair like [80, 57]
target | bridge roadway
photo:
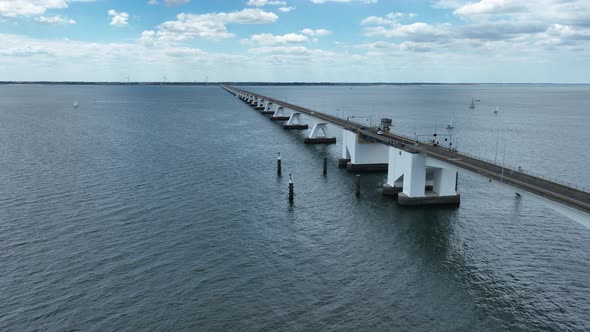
[572, 197]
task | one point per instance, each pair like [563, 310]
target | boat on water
[76, 104]
[472, 105]
[496, 110]
[451, 124]
[477, 99]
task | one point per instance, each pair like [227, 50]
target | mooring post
[291, 194]
[358, 185]
[278, 163]
[325, 165]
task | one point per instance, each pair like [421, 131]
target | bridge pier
[279, 115]
[253, 102]
[268, 109]
[260, 105]
[295, 122]
[319, 135]
[360, 154]
[420, 180]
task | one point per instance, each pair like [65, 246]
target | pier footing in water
[432, 199]
[342, 162]
[366, 167]
[296, 126]
[388, 190]
[320, 140]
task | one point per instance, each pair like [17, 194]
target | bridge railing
[512, 168]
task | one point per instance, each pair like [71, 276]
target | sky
[501, 41]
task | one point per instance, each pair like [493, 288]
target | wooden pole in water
[291, 191]
[358, 185]
[278, 163]
[325, 165]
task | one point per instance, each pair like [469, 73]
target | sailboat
[477, 99]
[451, 125]
[496, 110]
[472, 105]
[76, 104]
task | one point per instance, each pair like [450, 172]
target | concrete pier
[295, 122]
[319, 135]
[260, 105]
[268, 109]
[279, 115]
[363, 154]
[417, 179]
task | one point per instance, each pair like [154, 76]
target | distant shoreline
[263, 83]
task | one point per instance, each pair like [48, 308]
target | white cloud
[286, 9]
[54, 20]
[15, 8]
[484, 7]
[260, 3]
[389, 19]
[270, 39]
[316, 32]
[213, 26]
[119, 18]
[288, 50]
[147, 37]
[38, 59]
[152, 2]
[415, 32]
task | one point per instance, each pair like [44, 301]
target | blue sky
[296, 40]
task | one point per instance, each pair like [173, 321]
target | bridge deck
[541, 187]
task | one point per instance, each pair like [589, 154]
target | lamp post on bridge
[358, 117]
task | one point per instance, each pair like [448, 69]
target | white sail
[472, 105]
[496, 110]
[76, 104]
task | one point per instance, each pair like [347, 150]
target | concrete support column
[319, 135]
[268, 109]
[295, 122]
[414, 168]
[279, 114]
[444, 181]
[363, 154]
[406, 178]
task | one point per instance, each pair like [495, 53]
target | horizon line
[272, 83]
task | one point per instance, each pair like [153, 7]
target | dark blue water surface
[159, 208]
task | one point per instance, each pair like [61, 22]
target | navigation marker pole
[291, 193]
[278, 163]
[325, 166]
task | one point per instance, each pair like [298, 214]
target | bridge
[419, 173]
